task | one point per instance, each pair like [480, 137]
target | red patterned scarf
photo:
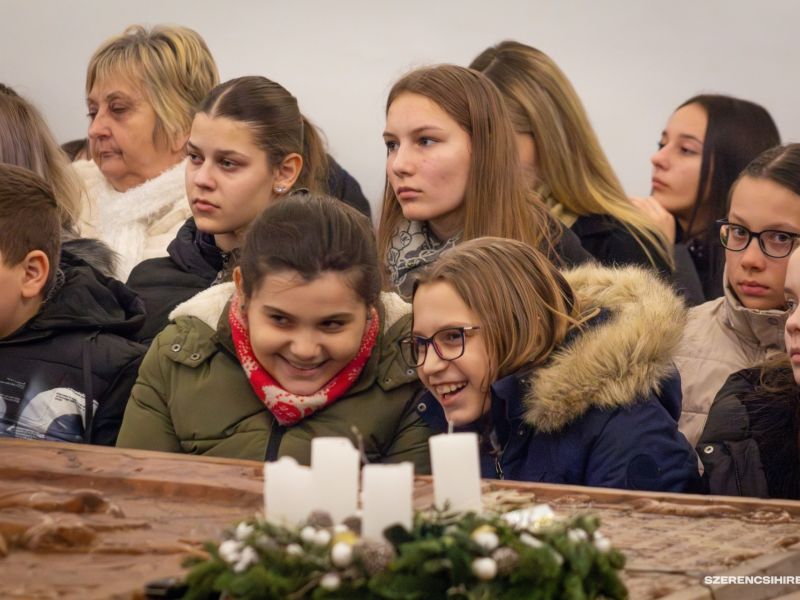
[287, 408]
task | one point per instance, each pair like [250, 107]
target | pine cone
[353, 524]
[374, 556]
[507, 560]
[320, 519]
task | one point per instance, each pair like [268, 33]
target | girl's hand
[658, 214]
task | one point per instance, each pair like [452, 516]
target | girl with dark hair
[301, 344]
[707, 142]
[749, 446]
[248, 146]
[453, 174]
[566, 377]
[744, 328]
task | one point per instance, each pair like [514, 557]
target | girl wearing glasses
[301, 344]
[706, 143]
[745, 326]
[749, 446]
[453, 174]
[566, 378]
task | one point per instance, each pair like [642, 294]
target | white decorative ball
[529, 540]
[308, 534]
[330, 581]
[322, 537]
[484, 569]
[248, 557]
[229, 551]
[601, 542]
[294, 550]
[342, 555]
[577, 535]
[487, 540]
[243, 530]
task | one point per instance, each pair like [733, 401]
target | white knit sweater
[139, 223]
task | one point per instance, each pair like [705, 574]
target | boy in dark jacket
[63, 326]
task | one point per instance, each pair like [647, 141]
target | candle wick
[360, 444]
[449, 426]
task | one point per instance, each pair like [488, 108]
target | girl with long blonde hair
[564, 161]
[453, 174]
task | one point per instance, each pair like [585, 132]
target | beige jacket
[139, 223]
[721, 337]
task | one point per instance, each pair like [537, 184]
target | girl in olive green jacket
[301, 344]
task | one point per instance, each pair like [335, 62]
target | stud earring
[279, 189]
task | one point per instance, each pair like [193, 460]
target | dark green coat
[192, 396]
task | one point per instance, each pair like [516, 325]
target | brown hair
[780, 165]
[570, 161]
[29, 218]
[311, 234]
[26, 141]
[171, 64]
[276, 123]
[524, 304]
[498, 201]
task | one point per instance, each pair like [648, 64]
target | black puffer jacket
[342, 185]
[606, 238]
[749, 446]
[193, 265]
[76, 346]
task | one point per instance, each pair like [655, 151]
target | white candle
[334, 464]
[456, 471]
[288, 491]
[386, 498]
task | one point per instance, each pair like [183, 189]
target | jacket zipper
[274, 442]
[498, 467]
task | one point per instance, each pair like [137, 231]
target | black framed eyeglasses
[773, 242]
[448, 343]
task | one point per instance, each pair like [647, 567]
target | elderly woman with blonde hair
[142, 88]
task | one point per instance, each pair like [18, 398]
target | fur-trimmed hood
[612, 363]
[209, 304]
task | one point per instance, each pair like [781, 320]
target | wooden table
[91, 522]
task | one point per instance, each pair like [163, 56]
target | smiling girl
[567, 378]
[749, 445]
[744, 327]
[453, 174]
[300, 345]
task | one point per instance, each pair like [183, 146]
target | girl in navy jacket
[567, 378]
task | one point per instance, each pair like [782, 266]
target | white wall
[631, 61]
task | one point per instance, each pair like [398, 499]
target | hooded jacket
[193, 396]
[602, 411]
[721, 337]
[75, 347]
